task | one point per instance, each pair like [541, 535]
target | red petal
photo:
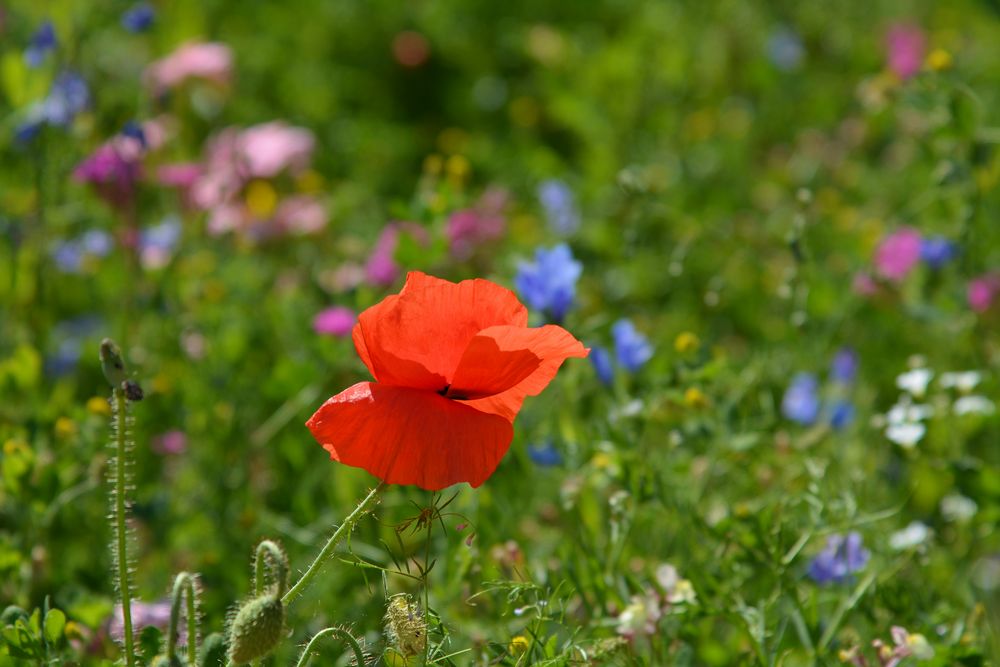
[551, 344]
[486, 370]
[410, 436]
[417, 338]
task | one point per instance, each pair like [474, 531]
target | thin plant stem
[121, 427]
[184, 586]
[341, 634]
[343, 530]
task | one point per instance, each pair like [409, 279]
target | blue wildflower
[785, 50]
[68, 256]
[68, 97]
[545, 455]
[801, 401]
[842, 556]
[560, 207]
[28, 130]
[43, 41]
[937, 251]
[96, 242]
[844, 367]
[157, 243]
[841, 414]
[631, 347]
[549, 283]
[139, 18]
[601, 360]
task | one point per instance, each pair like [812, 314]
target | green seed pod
[256, 629]
[405, 626]
[112, 363]
[213, 651]
[164, 661]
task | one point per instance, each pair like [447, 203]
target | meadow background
[792, 451]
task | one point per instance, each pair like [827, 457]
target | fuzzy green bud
[256, 629]
[213, 651]
[112, 363]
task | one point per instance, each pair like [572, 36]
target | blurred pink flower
[336, 321]
[272, 147]
[300, 214]
[864, 284]
[179, 175]
[905, 45]
[381, 267]
[471, 227]
[202, 60]
[898, 254]
[171, 442]
[982, 291]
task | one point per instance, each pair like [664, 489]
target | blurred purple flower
[560, 206]
[842, 556]
[156, 614]
[336, 321]
[631, 347]
[844, 367]
[113, 170]
[545, 455]
[898, 254]
[41, 43]
[784, 49]
[158, 242]
[170, 443]
[601, 359]
[549, 283]
[801, 400]
[139, 18]
[905, 45]
[937, 251]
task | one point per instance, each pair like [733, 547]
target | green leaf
[55, 622]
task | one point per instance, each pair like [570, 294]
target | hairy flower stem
[341, 634]
[184, 586]
[343, 530]
[121, 427]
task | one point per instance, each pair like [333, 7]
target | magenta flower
[336, 321]
[172, 442]
[863, 284]
[898, 254]
[198, 60]
[982, 291]
[905, 46]
[469, 228]
[113, 170]
[382, 268]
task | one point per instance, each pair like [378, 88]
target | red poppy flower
[453, 364]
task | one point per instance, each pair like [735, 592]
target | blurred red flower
[453, 363]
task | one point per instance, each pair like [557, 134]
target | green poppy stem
[121, 485]
[342, 531]
[341, 634]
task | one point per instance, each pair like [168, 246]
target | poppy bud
[256, 629]
[213, 651]
[133, 391]
[112, 363]
[405, 626]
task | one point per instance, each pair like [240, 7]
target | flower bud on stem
[184, 584]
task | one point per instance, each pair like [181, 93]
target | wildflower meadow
[609, 332]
